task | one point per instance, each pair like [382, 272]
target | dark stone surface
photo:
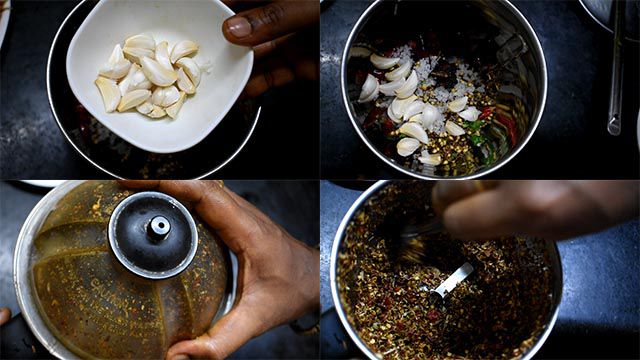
[571, 140]
[285, 143]
[599, 316]
[292, 204]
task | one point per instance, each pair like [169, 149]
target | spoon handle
[615, 94]
[452, 281]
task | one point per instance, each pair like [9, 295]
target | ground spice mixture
[497, 312]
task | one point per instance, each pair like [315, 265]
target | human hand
[278, 276]
[553, 209]
[284, 39]
[5, 315]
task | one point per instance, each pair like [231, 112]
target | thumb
[225, 337]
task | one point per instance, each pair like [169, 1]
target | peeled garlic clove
[415, 131]
[157, 112]
[395, 118]
[453, 128]
[172, 110]
[135, 80]
[407, 146]
[141, 41]
[470, 114]
[184, 83]
[412, 109]
[182, 49]
[398, 106]
[370, 89]
[430, 159]
[390, 88]
[416, 119]
[158, 96]
[110, 93]
[136, 54]
[145, 108]
[191, 68]
[156, 73]
[162, 55]
[133, 99]
[171, 96]
[359, 52]
[117, 66]
[400, 73]
[383, 63]
[409, 87]
[430, 114]
[458, 104]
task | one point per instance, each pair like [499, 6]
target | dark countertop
[33, 147]
[292, 204]
[571, 140]
[599, 316]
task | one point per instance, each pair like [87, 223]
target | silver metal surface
[127, 263]
[615, 92]
[22, 273]
[70, 140]
[454, 279]
[160, 226]
[502, 6]
[600, 12]
[550, 248]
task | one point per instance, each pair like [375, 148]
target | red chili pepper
[433, 315]
[372, 117]
[486, 112]
[387, 126]
[511, 127]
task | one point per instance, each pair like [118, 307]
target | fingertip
[5, 315]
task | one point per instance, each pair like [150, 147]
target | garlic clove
[415, 131]
[470, 114]
[171, 96]
[117, 67]
[191, 68]
[359, 52]
[395, 118]
[458, 104]
[398, 106]
[414, 108]
[383, 63]
[141, 41]
[409, 87]
[145, 108]
[135, 80]
[157, 74]
[416, 119]
[136, 54]
[110, 93]
[182, 49]
[157, 112]
[453, 128]
[400, 72]
[430, 159]
[430, 114]
[370, 89]
[184, 83]
[173, 110]
[162, 55]
[390, 88]
[157, 98]
[407, 146]
[133, 99]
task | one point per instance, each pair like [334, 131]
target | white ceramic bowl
[112, 21]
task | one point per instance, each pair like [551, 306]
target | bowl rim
[26, 297]
[355, 30]
[333, 263]
[53, 107]
[199, 136]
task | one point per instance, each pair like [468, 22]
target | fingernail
[180, 357]
[239, 26]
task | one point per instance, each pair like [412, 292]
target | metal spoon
[615, 94]
[451, 282]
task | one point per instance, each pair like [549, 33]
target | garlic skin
[430, 114]
[389, 89]
[415, 131]
[453, 128]
[370, 89]
[182, 49]
[409, 87]
[458, 104]
[158, 74]
[110, 93]
[191, 68]
[142, 41]
[470, 114]
[117, 67]
[407, 146]
[383, 63]
[399, 73]
[133, 99]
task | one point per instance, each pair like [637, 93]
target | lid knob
[153, 235]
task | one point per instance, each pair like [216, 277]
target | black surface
[599, 316]
[32, 146]
[292, 204]
[18, 342]
[571, 140]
